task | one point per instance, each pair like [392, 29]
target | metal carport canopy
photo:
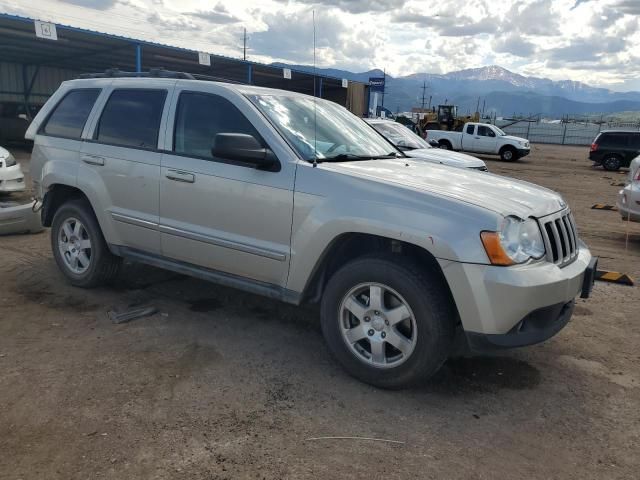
[86, 51]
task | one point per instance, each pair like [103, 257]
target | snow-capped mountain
[501, 90]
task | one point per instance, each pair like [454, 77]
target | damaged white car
[11, 176]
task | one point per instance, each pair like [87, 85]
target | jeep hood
[499, 194]
[446, 157]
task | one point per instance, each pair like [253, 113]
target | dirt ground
[224, 385]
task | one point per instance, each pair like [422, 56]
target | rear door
[467, 138]
[216, 212]
[121, 161]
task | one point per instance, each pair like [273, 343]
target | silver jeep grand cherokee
[297, 199]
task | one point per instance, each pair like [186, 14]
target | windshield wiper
[350, 157]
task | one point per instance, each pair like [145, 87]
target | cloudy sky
[595, 41]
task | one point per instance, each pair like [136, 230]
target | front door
[215, 212]
[485, 139]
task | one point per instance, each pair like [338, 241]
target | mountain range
[501, 91]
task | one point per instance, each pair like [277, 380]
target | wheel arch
[349, 246]
[57, 195]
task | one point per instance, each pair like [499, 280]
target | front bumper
[523, 152]
[11, 179]
[495, 300]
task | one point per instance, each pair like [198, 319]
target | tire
[429, 327]
[612, 163]
[508, 154]
[98, 266]
[445, 145]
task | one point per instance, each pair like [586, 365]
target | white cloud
[588, 40]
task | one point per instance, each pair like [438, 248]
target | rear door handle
[477, 138]
[92, 159]
[180, 176]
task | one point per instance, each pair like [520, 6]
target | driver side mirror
[23, 116]
[244, 148]
[492, 133]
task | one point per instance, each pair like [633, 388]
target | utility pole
[424, 90]
[429, 107]
[384, 88]
[244, 46]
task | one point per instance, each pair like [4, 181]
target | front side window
[485, 131]
[200, 117]
[322, 130]
[400, 136]
[69, 116]
[131, 118]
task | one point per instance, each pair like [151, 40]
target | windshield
[336, 134]
[400, 136]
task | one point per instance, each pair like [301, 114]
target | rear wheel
[444, 144]
[508, 154]
[388, 322]
[612, 163]
[79, 247]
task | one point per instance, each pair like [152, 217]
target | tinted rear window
[613, 140]
[635, 140]
[131, 118]
[69, 116]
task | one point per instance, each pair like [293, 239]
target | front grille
[560, 237]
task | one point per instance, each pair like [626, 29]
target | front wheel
[508, 154]
[389, 322]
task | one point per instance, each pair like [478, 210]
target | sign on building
[46, 30]
[376, 84]
[204, 59]
[286, 72]
[345, 83]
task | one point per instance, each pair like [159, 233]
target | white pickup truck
[482, 138]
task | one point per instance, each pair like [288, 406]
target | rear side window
[635, 140]
[69, 116]
[199, 117]
[131, 118]
[614, 140]
[470, 129]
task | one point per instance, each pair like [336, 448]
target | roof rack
[153, 72]
[156, 73]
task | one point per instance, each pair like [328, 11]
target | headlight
[10, 161]
[517, 241]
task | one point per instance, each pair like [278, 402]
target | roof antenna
[315, 94]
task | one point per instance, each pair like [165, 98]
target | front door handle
[477, 138]
[180, 176]
[92, 159]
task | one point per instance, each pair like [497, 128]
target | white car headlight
[9, 161]
[521, 240]
[517, 241]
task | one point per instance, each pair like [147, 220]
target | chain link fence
[561, 133]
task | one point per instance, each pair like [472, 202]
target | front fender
[319, 220]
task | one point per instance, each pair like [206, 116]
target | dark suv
[615, 148]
